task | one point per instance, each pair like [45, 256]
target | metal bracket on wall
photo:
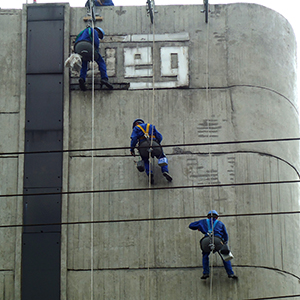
[89, 19]
[205, 10]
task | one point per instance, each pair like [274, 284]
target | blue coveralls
[137, 136]
[220, 231]
[86, 36]
[96, 3]
[105, 3]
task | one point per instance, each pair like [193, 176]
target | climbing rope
[92, 156]
[209, 150]
[151, 160]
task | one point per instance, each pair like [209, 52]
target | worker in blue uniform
[146, 135]
[99, 3]
[85, 38]
[104, 3]
[212, 224]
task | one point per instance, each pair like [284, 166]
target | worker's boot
[82, 84]
[167, 176]
[105, 82]
[205, 276]
[233, 276]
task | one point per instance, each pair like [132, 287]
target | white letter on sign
[138, 62]
[174, 62]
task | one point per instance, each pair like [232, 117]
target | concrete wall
[12, 96]
[246, 55]
[251, 70]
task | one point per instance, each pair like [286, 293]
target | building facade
[222, 93]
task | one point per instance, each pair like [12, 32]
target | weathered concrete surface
[178, 284]
[11, 135]
[246, 56]
[230, 35]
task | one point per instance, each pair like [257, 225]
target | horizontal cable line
[164, 146]
[276, 297]
[156, 268]
[152, 188]
[159, 268]
[149, 219]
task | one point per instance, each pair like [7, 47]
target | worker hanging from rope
[215, 237]
[84, 47]
[149, 139]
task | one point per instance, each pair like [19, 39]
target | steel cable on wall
[165, 146]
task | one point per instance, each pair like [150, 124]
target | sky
[287, 8]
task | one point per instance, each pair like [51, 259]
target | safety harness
[151, 146]
[81, 32]
[146, 133]
[210, 228]
[217, 244]
[210, 242]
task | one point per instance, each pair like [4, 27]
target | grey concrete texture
[11, 136]
[246, 55]
[177, 284]
[257, 112]
[181, 203]
[229, 38]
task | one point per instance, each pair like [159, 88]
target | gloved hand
[132, 152]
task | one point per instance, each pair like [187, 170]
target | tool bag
[226, 253]
[225, 249]
[228, 256]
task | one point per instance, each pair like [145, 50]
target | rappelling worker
[83, 46]
[212, 226]
[148, 139]
[99, 3]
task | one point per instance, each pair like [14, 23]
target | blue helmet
[100, 32]
[137, 120]
[212, 213]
